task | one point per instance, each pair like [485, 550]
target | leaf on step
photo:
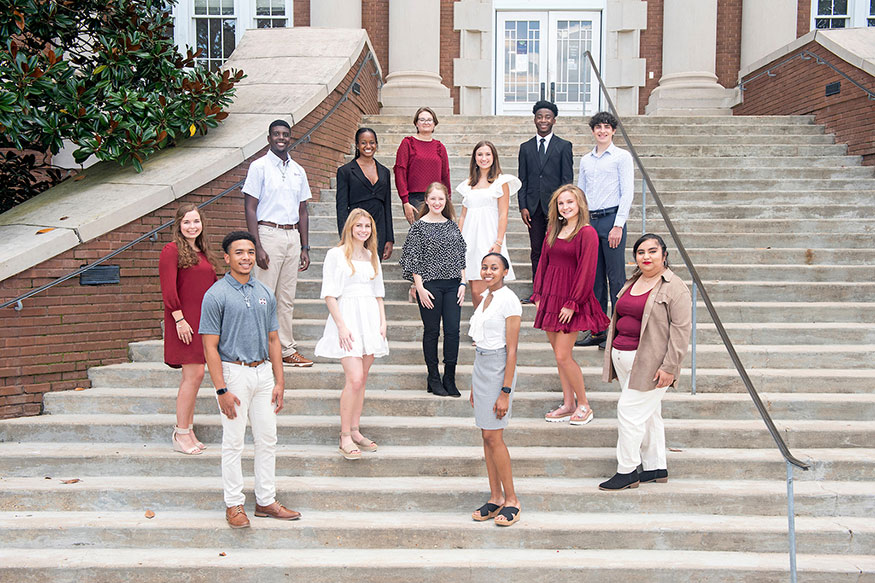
[48, 477]
[73, 481]
[46, 230]
[64, 218]
[81, 389]
[223, 554]
[674, 449]
[150, 514]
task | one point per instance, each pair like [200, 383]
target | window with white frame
[827, 14]
[270, 14]
[216, 26]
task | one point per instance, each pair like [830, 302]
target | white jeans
[253, 386]
[283, 247]
[640, 431]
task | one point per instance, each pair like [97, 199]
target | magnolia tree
[103, 75]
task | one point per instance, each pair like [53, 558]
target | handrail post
[791, 520]
[643, 206]
[693, 355]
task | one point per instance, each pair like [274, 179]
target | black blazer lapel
[357, 172]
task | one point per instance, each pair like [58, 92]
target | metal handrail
[697, 281]
[805, 56]
[789, 458]
[154, 232]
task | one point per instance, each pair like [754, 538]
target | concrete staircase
[780, 223]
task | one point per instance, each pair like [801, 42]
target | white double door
[540, 55]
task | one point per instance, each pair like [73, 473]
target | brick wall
[60, 333]
[301, 12]
[651, 51]
[803, 18]
[798, 88]
[450, 49]
[728, 42]
[375, 20]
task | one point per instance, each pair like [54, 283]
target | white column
[472, 71]
[766, 27]
[689, 54]
[336, 13]
[414, 59]
[624, 70]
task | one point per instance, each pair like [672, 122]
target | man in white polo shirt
[276, 194]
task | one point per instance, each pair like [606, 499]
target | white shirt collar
[276, 160]
[611, 149]
[546, 139]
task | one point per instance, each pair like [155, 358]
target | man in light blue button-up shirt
[607, 178]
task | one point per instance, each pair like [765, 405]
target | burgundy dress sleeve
[167, 272]
[445, 169]
[587, 242]
[543, 262]
[402, 158]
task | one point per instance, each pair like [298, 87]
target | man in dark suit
[545, 164]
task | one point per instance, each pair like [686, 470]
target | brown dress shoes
[236, 517]
[276, 510]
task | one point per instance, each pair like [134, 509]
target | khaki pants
[283, 247]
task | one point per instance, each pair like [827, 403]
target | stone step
[437, 494]
[436, 530]
[531, 378]
[703, 255]
[629, 122]
[61, 460]
[719, 290]
[774, 162]
[813, 242]
[758, 333]
[201, 565]
[751, 272]
[524, 128]
[534, 404]
[412, 431]
[735, 313]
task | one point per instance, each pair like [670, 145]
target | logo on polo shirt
[262, 301]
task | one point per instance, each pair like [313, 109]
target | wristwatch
[506, 390]
[225, 390]
[305, 247]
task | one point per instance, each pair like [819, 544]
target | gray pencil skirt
[486, 382]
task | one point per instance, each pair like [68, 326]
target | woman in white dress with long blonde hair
[485, 204]
[355, 332]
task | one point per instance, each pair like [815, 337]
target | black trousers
[610, 271]
[446, 308]
[537, 232]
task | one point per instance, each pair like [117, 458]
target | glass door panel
[522, 61]
[571, 34]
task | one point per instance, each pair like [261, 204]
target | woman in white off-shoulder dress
[485, 203]
[355, 332]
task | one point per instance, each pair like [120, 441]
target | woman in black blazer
[366, 184]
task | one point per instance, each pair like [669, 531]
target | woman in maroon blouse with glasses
[419, 161]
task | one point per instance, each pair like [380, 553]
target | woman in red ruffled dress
[563, 295]
[187, 268]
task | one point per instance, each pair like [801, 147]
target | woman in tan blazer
[646, 343]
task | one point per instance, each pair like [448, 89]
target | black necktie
[542, 151]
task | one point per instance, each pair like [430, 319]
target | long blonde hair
[474, 170]
[555, 220]
[188, 256]
[346, 239]
[449, 212]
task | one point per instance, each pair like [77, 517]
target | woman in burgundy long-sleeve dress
[419, 161]
[563, 295]
[187, 270]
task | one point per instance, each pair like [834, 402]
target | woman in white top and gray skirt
[495, 328]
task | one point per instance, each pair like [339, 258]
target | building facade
[498, 56]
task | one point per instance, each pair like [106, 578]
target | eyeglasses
[425, 120]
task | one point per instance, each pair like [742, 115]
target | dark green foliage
[104, 75]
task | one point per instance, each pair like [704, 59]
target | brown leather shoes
[276, 510]
[236, 517]
[297, 359]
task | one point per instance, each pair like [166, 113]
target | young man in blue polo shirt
[607, 178]
[242, 349]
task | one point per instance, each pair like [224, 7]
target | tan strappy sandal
[351, 452]
[364, 443]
